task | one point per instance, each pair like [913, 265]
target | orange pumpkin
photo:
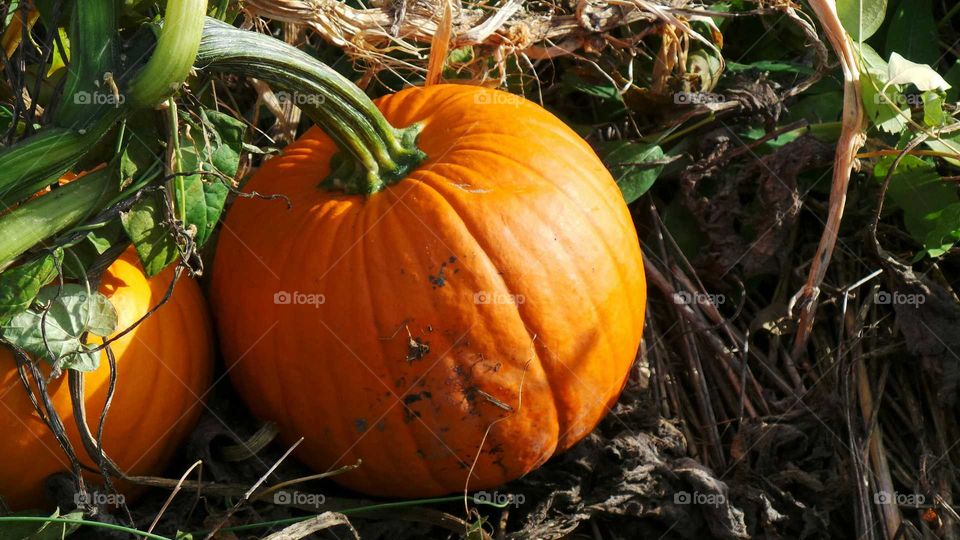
[475, 317]
[164, 367]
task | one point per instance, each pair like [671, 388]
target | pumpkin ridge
[449, 363]
[481, 248]
[394, 105]
[383, 356]
[554, 375]
[287, 250]
[318, 217]
[610, 251]
[601, 194]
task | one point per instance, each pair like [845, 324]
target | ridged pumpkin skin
[164, 366]
[509, 202]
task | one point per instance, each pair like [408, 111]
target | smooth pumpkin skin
[510, 201]
[164, 367]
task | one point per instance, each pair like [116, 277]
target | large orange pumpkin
[164, 367]
[480, 314]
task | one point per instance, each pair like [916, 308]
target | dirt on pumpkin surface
[794, 381]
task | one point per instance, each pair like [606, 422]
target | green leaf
[72, 313]
[947, 145]
[931, 207]
[933, 114]
[880, 104]
[573, 82]
[924, 77]
[20, 285]
[861, 18]
[913, 32]
[628, 163]
[217, 145]
[771, 66]
[953, 78]
[6, 118]
[31, 530]
[152, 239]
[880, 100]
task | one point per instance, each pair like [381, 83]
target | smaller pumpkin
[164, 366]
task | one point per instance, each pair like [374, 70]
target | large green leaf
[913, 32]
[144, 224]
[215, 145]
[882, 102]
[71, 313]
[931, 207]
[861, 18]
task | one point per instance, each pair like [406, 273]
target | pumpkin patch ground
[479, 270]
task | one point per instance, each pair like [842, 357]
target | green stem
[177, 183]
[92, 33]
[173, 57]
[41, 218]
[72, 521]
[373, 153]
[37, 162]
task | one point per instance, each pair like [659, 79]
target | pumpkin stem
[38, 219]
[173, 57]
[373, 154]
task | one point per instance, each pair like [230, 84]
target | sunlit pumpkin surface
[482, 313]
[164, 366]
